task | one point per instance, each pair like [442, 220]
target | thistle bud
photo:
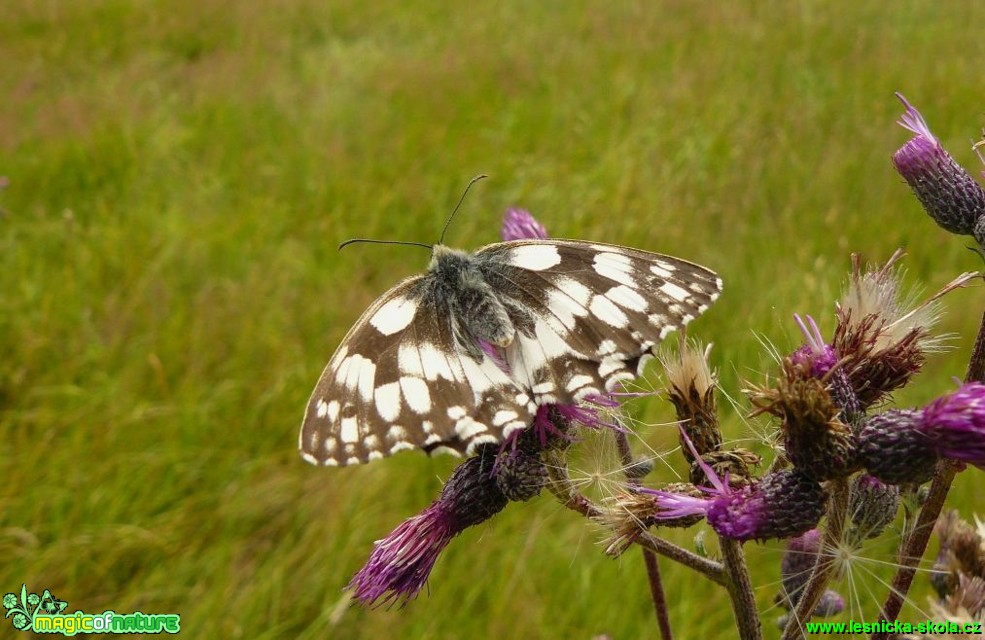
[947, 192]
[891, 448]
[872, 508]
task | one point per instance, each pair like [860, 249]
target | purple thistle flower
[948, 193]
[955, 424]
[816, 355]
[780, 505]
[518, 224]
[401, 563]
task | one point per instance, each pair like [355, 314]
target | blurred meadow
[180, 175]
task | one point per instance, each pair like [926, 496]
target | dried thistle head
[628, 513]
[733, 464]
[962, 553]
[882, 334]
[691, 388]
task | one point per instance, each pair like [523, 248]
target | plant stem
[915, 545]
[657, 593]
[710, 569]
[649, 558]
[740, 591]
[825, 564]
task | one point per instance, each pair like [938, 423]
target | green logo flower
[28, 605]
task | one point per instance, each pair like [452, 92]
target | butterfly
[465, 353]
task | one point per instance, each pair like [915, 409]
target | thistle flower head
[872, 508]
[815, 356]
[628, 513]
[518, 224]
[781, 504]
[962, 553]
[891, 448]
[815, 439]
[947, 192]
[691, 388]
[735, 464]
[401, 563]
[883, 335]
[955, 424]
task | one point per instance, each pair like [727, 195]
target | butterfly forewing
[585, 316]
[598, 310]
[398, 382]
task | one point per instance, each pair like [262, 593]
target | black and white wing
[593, 311]
[398, 382]
[585, 315]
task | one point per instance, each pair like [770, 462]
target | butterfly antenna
[460, 201]
[371, 241]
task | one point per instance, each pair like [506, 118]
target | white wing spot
[445, 450]
[512, 427]
[577, 382]
[434, 363]
[662, 270]
[409, 360]
[467, 428]
[416, 394]
[535, 257]
[626, 298]
[607, 347]
[394, 315]
[322, 408]
[606, 311]
[367, 376]
[677, 293]
[543, 387]
[456, 413]
[613, 266]
[610, 365]
[503, 416]
[350, 430]
[388, 401]
[401, 446]
[397, 434]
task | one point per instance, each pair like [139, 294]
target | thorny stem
[825, 564]
[649, 558]
[915, 545]
[740, 590]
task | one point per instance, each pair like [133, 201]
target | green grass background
[181, 173]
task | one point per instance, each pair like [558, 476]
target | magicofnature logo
[44, 614]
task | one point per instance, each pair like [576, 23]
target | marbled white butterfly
[465, 353]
